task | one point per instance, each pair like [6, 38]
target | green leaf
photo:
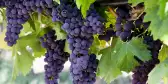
[58, 1]
[59, 32]
[84, 5]
[95, 47]
[156, 12]
[138, 48]
[32, 24]
[66, 48]
[33, 42]
[159, 72]
[120, 57]
[111, 19]
[162, 9]
[106, 68]
[24, 59]
[163, 54]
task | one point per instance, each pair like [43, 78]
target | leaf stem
[112, 11]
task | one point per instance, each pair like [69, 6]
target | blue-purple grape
[55, 57]
[80, 37]
[141, 72]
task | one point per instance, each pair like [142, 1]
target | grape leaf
[162, 12]
[95, 47]
[120, 57]
[84, 5]
[111, 19]
[163, 54]
[23, 60]
[59, 32]
[33, 42]
[66, 48]
[157, 13]
[106, 68]
[159, 72]
[58, 1]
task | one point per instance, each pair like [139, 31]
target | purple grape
[124, 36]
[138, 23]
[55, 57]
[49, 2]
[141, 72]
[118, 27]
[128, 26]
[118, 33]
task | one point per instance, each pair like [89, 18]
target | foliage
[120, 56]
[163, 54]
[20, 51]
[157, 13]
[116, 56]
[84, 5]
[158, 73]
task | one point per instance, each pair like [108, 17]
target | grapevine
[100, 38]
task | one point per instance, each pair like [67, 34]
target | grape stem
[112, 11]
[114, 3]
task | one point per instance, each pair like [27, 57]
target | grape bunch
[17, 15]
[80, 37]
[55, 57]
[141, 72]
[127, 28]
[123, 25]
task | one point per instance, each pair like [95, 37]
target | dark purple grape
[138, 23]
[103, 37]
[55, 57]
[118, 27]
[118, 33]
[141, 72]
[125, 35]
[49, 2]
[118, 20]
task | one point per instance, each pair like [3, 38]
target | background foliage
[115, 56]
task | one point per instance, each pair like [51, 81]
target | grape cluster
[108, 34]
[17, 15]
[127, 28]
[123, 25]
[55, 57]
[141, 72]
[80, 37]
